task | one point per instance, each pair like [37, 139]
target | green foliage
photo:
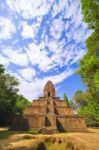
[21, 103]
[1, 69]
[90, 10]
[89, 73]
[73, 104]
[81, 98]
[66, 99]
[10, 102]
[89, 64]
[87, 108]
[96, 77]
[8, 90]
[92, 44]
[91, 113]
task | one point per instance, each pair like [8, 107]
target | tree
[66, 99]
[21, 104]
[81, 98]
[11, 103]
[89, 65]
[97, 79]
[86, 108]
[73, 104]
[89, 70]
[91, 113]
[8, 90]
[1, 69]
[90, 10]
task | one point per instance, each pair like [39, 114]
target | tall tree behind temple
[66, 99]
[8, 90]
[90, 10]
[89, 64]
[21, 103]
[81, 98]
[1, 69]
[11, 102]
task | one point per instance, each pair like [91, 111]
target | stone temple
[49, 113]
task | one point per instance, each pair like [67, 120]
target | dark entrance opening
[49, 94]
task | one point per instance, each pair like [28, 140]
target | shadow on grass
[7, 133]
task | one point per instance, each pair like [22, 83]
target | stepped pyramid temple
[49, 113]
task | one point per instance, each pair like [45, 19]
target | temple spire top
[49, 89]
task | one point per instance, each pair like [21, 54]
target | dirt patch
[63, 141]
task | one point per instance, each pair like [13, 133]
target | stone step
[49, 130]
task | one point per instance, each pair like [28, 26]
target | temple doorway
[49, 94]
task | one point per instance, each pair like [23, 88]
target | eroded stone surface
[49, 113]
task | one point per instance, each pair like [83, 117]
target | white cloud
[7, 28]
[77, 57]
[67, 26]
[37, 55]
[30, 8]
[61, 56]
[29, 31]
[28, 73]
[4, 61]
[57, 28]
[53, 45]
[71, 9]
[35, 88]
[59, 7]
[43, 52]
[59, 77]
[16, 57]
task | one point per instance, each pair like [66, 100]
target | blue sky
[42, 40]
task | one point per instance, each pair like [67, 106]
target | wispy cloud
[36, 86]
[7, 28]
[41, 40]
[31, 8]
[15, 57]
[27, 73]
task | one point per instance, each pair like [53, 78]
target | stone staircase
[49, 130]
[50, 121]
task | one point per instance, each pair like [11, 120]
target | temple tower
[49, 113]
[49, 93]
[49, 90]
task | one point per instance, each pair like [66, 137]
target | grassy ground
[6, 133]
[10, 140]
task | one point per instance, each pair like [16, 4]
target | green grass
[7, 133]
[54, 146]
[34, 131]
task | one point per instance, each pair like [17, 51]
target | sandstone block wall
[36, 121]
[35, 110]
[19, 123]
[41, 102]
[64, 111]
[60, 103]
[71, 123]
